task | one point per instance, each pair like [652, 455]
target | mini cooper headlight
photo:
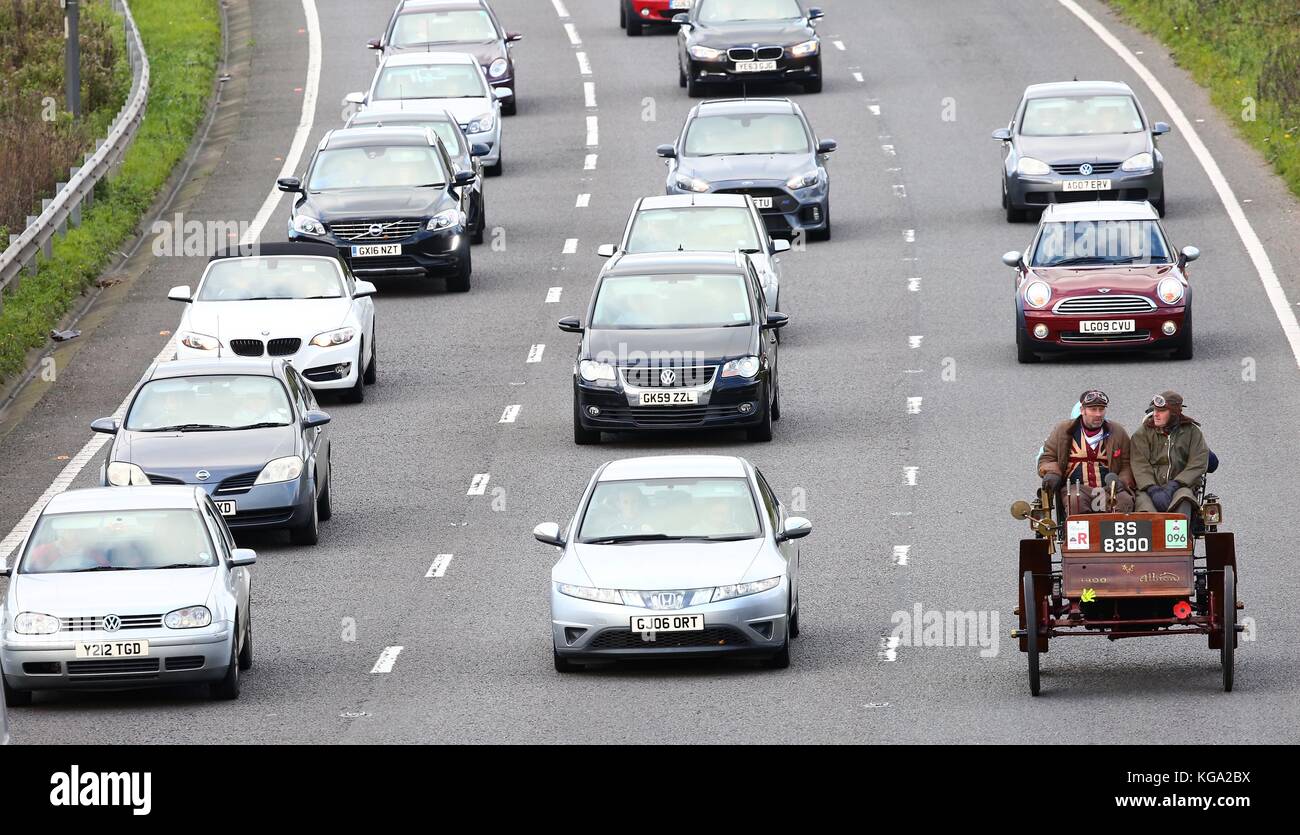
[1038, 294]
[742, 589]
[744, 367]
[122, 474]
[1170, 290]
[1139, 162]
[35, 623]
[498, 68]
[591, 371]
[200, 341]
[706, 53]
[799, 181]
[482, 124]
[308, 225]
[1031, 167]
[331, 338]
[281, 469]
[443, 220]
[801, 50]
[585, 593]
[191, 617]
[694, 184]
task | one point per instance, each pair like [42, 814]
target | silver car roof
[1077, 88]
[681, 201]
[1100, 210]
[160, 497]
[674, 466]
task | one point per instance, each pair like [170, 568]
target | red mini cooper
[1102, 276]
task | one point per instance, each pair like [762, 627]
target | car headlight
[1031, 167]
[742, 589]
[803, 180]
[444, 220]
[591, 371]
[800, 50]
[1038, 294]
[706, 53]
[281, 469]
[191, 617]
[308, 225]
[331, 338]
[482, 124]
[200, 341]
[694, 184]
[1139, 162]
[743, 367]
[122, 474]
[498, 68]
[1170, 290]
[585, 593]
[35, 623]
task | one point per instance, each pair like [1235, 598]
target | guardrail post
[74, 214]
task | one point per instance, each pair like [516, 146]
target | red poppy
[1182, 610]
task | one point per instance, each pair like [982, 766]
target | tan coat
[1056, 451]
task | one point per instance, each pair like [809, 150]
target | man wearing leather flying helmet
[1083, 457]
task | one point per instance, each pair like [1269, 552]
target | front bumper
[1025, 192]
[432, 254]
[656, 11]
[283, 504]
[719, 408]
[319, 366]
[49, 662]
[1064, 334]
[754, 625]
[807, 209]
[788, 69]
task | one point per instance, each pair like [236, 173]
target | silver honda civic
[127, 587]
[675, 556]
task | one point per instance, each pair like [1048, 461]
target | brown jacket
[1056, 450]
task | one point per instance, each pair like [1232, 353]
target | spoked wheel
[1031, 630]
[1227, 653]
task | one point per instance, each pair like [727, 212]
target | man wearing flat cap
[1169, 458]
[1084, 456]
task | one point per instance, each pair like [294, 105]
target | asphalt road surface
[912, 91]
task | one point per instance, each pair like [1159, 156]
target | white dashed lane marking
[909, 475]
[439, 566]
[590, 164]
[573, 34]
[510, 414]
[914, 341]
[589, 93]
[535, 353]
[553, 295]
[560, 8]
[387, 659]
[570, 246]
[478, 485]
[593, 132]
[584, 200]
[584, 63]
[914, 405]
[900, 554]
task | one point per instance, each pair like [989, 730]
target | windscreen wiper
[263, 425]
[188, 427]
[632, 537]
[101, 568]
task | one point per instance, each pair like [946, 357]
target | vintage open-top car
[1126, 575]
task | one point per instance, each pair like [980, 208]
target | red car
[1102, 276]
[634, 15]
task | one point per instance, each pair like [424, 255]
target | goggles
[1094, 397]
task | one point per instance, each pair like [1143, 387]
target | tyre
[1015, 215]
[794, 620]
[496, 170]
[459, 281]
[581, 436]
[481, 227]
[823, 234]
[781, 658]
[776, 404]
[563, 665]
[635, 26]
[372, 368]
[308, 533]
[694, 89]
[814, 86]
[762, 433]
[681, 75]
[246, 651]
[1227, 652]
[510, 108]
[1023, 355]
[324, 508]
[1031, 630]
[1160, 206]
[357, 394]
[1184, 349]
[622, 15]
[227, 688]
[16, 698]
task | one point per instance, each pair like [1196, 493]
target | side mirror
[106, 426]
[682, 20]
[478, 149]
[1011, 259]
[1190, 253]
[1002, 135]
[780, 245]
[364, 288]
[6, 570]
[500, 93]
[666, 151]
[827, 146]
[289, 184]
[180, 293]
[242, 556]
[314, 418]
[815, 13]
[796, 527]
[514, 37]
[571, 324]
[776, 321]
[1160, 129]
[464, 178]
[375, 43]
[355, 98]
[606, 250]
[548, 533]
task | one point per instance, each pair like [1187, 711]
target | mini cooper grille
[283, 347]
[1103, 305]
[690, 376]
[96, 623]
[712, 636]
[1097, 168]
[237, 483]
[377, 230]
[247, 347]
